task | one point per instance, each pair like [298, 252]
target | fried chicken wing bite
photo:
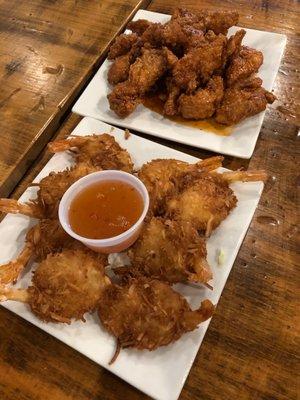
[203, 103]
[219, 21]
[147, 314]
[195, 37]
[199, 64]
[124, 99]
[139, 26]
[234, 44]
[186, 18]
[153, 35]
[169, 251]
[253, 82]
[244, 64]
[122, 45]
[147, 69]
[99, 151]
[205, 200]
[119, 70]
[171, 103]
[239, 104]
[65, 286]
[160, 177]
[143, 74]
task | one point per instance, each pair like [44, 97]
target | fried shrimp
[101, 151]
[51, 190]
[146, 314]
[44, 238]
[206, 200]
[64, 287]
[11, 206]
[160, 177]
[169, 251]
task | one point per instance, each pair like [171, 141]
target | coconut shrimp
[146, 314]
[51, 190]
[65, 286]
[44, 238]
[169, 251]
[206, 200]
[160, 177]
[101, 151]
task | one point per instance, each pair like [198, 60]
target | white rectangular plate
[241, 143]
[161, 373]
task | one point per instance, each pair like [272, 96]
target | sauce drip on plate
[105, 209]
[209, 125]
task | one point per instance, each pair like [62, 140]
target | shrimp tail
[245, 176]
[11, 206]
[10, 272]
[210, 164]
[13, 294]
[65, 144]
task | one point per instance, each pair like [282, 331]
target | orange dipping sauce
[105, 209]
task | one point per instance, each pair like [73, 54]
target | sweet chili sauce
[105, 209]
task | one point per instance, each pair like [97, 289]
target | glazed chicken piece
[139, 26]
[234, 44]
[160, 177]
[147, 314]
[199, 64]
[244, 64]
[122, 45]
[252, 82]
[51, 190]
[240, 103]
[219, 21]
[205, 200]
[195, 37]
[173, 92]
[100, 151]
[147, 69]
[124, 99]
[119, 70]
[169, 251]
[143, 74]
[153, 35]
[186, 18]
[65, 286]
[204, 102]
[176, 37]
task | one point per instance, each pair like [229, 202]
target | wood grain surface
[48, 51]
[251, 349]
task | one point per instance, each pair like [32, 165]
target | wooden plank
[250, 350]
[48, 51]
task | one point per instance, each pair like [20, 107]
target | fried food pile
[191, 65]
[138, 304]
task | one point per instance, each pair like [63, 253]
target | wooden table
[49, 50]
[251, 347]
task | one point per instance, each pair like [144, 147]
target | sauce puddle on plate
[105, 209]
[155, 104]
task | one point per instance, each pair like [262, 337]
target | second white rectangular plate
[241, 143]
[160, 374]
